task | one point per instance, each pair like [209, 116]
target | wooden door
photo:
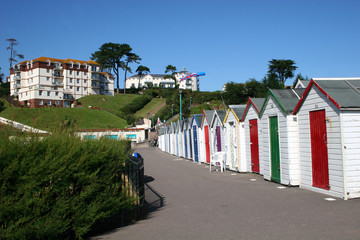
[274, 149]
[254, 146]
[207, 143]
[196, 156]
[319, 151]
[218, 138]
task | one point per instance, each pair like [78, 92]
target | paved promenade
[188, 202]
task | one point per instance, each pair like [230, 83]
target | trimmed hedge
[60, 186]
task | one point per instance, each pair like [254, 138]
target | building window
[85, 74]
[47, 78]
[77, 89]
[41, 102]
[70, 87]
[93, 68]
[84, 81]
[56, 93]
[47, 70]
[70, 80]
[49, 103]
[40, 92]
[70, 72]
[85, 89]
[48, 93]
[77, 81]
[56, 102]
[77, 73]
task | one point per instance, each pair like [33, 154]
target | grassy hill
[108, 103]
[151, 106]
[52, 118]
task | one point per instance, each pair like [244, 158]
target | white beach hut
[329, 126]
[251, 122]
[235, 138]
[279, 161]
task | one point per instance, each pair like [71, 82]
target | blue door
[190, 142]
[185, 143]
[196, 157]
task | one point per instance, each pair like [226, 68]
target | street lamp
[180, 91]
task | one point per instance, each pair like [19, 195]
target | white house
[159, 80]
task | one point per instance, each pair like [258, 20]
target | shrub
[60, 186]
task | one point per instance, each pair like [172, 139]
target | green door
[274, 149]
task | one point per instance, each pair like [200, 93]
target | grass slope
[109, 103]
[154, 103]
[52, 118]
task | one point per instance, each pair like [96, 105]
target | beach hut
[235, 138]
[329, 125]
[189, 138]
[173, 139]
[205, 125]
[218, 132]
[161, 138]
[167, 138]
[185, 138]
[194, 126]
[251, 122]
[202, 152]
[279, 161]
[180, 137]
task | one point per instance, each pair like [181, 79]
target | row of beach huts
[308, 136]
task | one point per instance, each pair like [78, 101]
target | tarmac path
[188, 202]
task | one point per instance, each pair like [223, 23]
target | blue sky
[229, 40]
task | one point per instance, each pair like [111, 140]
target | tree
[171, 69]
[131, 58]
[255, 88]
[142, 70]
[271, 81]
[1, 76]
[13, 53]
[299, 76]
[110, 55]
[235, 93]
[282, 69]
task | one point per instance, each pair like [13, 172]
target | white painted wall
[316, 100]
[351, 152]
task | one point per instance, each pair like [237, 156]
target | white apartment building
[158, 80]
[56, 82]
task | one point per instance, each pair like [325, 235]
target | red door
[207, 144]
[254, 146]
[319, 151]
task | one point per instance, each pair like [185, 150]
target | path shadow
[153, 199]
[152, 202]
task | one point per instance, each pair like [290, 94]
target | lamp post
[180, 91]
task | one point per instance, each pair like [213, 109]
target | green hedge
[59, 187]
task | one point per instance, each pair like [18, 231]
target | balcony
[17, 69]
[17, 85]
[95, 84]
[16, 77]
[57, 83]
[58, 67]
[96, 77]
[58, 74]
